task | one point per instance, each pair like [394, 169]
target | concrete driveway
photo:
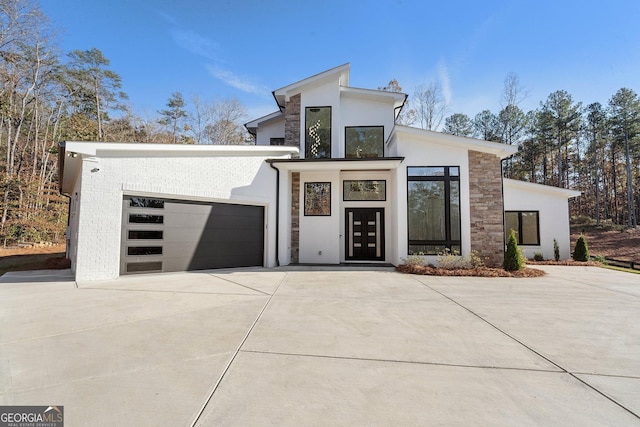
[257, 347]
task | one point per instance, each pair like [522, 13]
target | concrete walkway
[256, 347]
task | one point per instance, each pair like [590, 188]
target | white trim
[338, 165]
[92, 148]
[398, 97]
[253, 124]
[284, 93]
[498, 149]
[531, 186]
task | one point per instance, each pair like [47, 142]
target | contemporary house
[331, 180]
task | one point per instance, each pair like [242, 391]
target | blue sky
[247, 48]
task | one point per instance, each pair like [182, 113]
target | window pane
[413, 171]
[364, 190]
[146, 219]
[454, 171]
[362, 142]
[144, 234]
[140, 202]
[454, 209]
[426, 210]
[510, 223]
[318, 133]
[276, 141]
[317, 199]
[529, 228]
[144, 250]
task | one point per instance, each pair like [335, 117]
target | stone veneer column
[292, 121]
[487, 207]
[295, 217]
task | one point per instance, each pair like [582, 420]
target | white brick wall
[104, 181]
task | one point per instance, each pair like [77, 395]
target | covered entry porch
[335, 211]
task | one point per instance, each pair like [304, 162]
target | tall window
[318, 133]
[364, 141]
[433, 198]
[526, 226]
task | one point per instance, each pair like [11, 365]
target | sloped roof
[252, 126]
[496, 148]
[531, 186]
[283, 94]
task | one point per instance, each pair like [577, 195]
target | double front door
[364, 229]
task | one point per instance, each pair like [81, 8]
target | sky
[248, 48]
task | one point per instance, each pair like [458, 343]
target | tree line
[47, 97]
[591, 148]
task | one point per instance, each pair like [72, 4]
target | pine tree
[581, 251]
[513, 257]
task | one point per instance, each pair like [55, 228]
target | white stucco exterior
[199, 173]
[96, 177]
[552, 206]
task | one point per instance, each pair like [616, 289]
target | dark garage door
[177, 235]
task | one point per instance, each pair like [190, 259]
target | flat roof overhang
[366, 164]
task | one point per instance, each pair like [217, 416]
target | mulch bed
[491, 272]
[476, 272]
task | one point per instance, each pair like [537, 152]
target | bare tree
[513, 93]
[430, 106]
[226, 125]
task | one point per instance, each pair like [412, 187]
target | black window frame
[327, 195]
[447, 178]
[519, 231]
[348, 181]
[307, 152]
[276, 141]
[368, 127]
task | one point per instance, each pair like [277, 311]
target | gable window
[318, 133]
[433, 209]
[364, 141]
[276, 141]
[525, 224]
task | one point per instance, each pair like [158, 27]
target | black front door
[364, 229]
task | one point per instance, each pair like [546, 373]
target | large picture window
[433, 199]
[364, 141]
[526, 226]
[318, 133]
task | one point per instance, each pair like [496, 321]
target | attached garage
[161, 235]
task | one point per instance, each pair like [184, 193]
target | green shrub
[556, 250]
[538, 256]
[600, 259]
[581, 251]
[513, 257]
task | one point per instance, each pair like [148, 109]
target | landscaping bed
[473, 272]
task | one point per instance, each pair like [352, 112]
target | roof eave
[282, 95]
